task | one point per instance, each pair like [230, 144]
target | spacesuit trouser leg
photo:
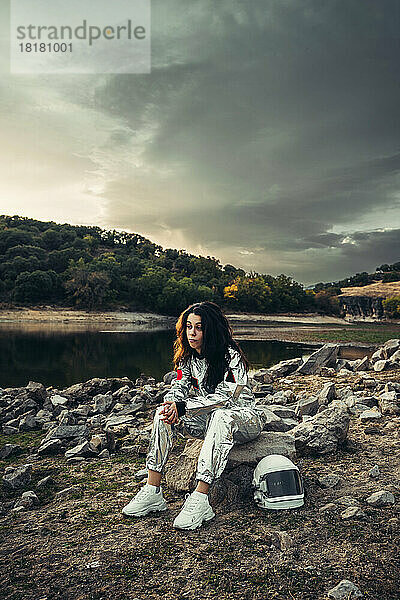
[225, 428]
[163, 435]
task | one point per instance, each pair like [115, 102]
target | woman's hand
[169, 413]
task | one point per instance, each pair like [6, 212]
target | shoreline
[310, 329]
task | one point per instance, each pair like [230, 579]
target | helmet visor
[282, 483]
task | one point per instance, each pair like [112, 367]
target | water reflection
[62, 358]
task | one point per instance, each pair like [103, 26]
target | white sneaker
[195, 510]
[146, 500]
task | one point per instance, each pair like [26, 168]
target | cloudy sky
[266, 135]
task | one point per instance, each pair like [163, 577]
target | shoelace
[191, 503]
[142, 493]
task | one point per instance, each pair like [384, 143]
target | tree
[85, 287]
[39, 286]
[391, 307]
[327, 302]
[249, 294]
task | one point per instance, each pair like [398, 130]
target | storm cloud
[266, 135]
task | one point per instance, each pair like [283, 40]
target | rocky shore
[71, 458]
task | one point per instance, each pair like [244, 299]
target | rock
[285, 367]
[37, 391]
[86, 450]
[263, 375]
[58, 401]
[374, 472]
[381, 365]
[388, 408]
[284, 397]
[9, 450]
[285, 412]
[99, 441]
[327, 393]
[50, 447]
[65, 432]
[27, 500]
[102, 403]
[45, 482]
[288, 424]
[69, 491]
[382, 498]
[344, 372]
[328, 481]
[28, 423]
[66, 418]
[269, 442]
[180, 475]
[43, 416]
[391, 347]
[363, 364]
[271, 421]
[234, 486]
[378, 355]
[17, 478]
[352, 512]
[395, 357]
[97, 421]
[9, 430]
[328, 507]
[372, 414]
[307, 406]
[323, 357]
[104, 453]
[122, 420]
[347, 501]
[323, 433]
[327, 372]
[345, 590]
[260, 390]
[369, 401]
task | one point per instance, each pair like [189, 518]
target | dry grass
[374, 290]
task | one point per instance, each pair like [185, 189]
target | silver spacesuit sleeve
[180, 386]
[234, 380]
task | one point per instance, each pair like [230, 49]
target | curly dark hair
[217, 338]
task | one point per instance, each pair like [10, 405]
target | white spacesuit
[225, 417]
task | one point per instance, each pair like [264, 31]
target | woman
[221, 410]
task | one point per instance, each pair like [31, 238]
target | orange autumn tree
[248, 293]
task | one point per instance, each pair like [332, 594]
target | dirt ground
[80, 547]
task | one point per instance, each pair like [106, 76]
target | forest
[92, 268]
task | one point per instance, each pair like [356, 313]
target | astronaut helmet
[278, 483]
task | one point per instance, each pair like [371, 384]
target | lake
[61, 356]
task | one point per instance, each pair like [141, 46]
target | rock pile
[94, 419]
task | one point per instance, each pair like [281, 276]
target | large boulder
[268, 442]
[323, 357]
[181, 473]
[323, 433]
